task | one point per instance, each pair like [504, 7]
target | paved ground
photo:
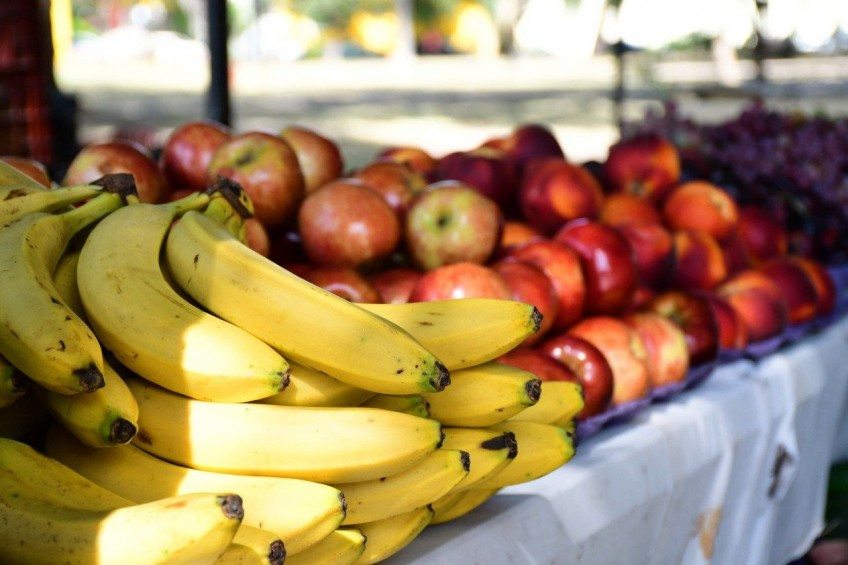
[439, 103]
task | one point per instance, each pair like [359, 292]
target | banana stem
[91, 211]
[194, 201]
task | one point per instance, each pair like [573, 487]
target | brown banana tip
[441, 436]
[122, 184]
[442, 378]
[534, 390]
[20, 383]
[465, 458]
[277, 553]
[90, 378]
[536, 319]
[232, 506]
[233, 193]
[122, 431]
[343, 500]
[575, 438]
[505, 441]
[285, 379]
[431, 509]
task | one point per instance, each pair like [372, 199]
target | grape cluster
[795, 164]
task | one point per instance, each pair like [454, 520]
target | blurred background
[443, 74]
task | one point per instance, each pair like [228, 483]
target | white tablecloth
[733, 472]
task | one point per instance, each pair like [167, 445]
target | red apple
[459, 280]
[736, 256]
[692, 314]
[527, 142]
[484, 169]
[344, 282]
[188, 151]
[267, 168]
[625, 352]
[346, 223]
[732, 334]
[257, 237]
[450, 222]
[758, 301]
[319, 158]
[698, 261]
[413, 157]
[529, 284]
[665, 343]
[540, 364]
[762, 234]
[395, 182]
[702, 206]
[645, 165]
[554, 191]
[394, 285]
[562, 266]
[797, 288]
[822, 281]
[96, 160]
[515, 234]
[30, 167]
[641, 297]
[611, 275]
[287, 247]
[589, 365]
[623, 209]
[653, 251]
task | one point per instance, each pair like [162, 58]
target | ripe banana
[193, 528]
[13, 384]
[253, 545]
[25, 420]
[386, 537]
[39, 334]
[560, 402]
[65, 281]
[310, 387]
[418, 486]
[300, 512]
[15, 208]
[328, 445]
[463, 503]
[153, 330]
[306, 323]
[483, 395]
[491, 451]
[14, 183]
[341, 547]
[542, 448]
[467, 332]
[106, 417]
[412, 404]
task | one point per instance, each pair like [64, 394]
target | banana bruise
[464, 332]
[262, 547]
[14, 183]
[193, 528]
[462, 503]
[103, 418]
[306, 323]
[300, 512]
[39, 333]
[13, 384]
[412, 404]
[310, 387]
[427, 481]
[15, 208]
[490, 450]
[152, 329]
[384, 538]
[483, 395]
[558, 405]
[542, 449]
[342, 547]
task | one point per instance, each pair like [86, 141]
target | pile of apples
[640, 275]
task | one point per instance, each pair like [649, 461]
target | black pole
[619, 90]
[218, 97]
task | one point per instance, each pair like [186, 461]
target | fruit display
[347, 357]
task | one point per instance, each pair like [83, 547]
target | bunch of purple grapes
[794, 164]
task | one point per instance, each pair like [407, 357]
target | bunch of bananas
[206, 368]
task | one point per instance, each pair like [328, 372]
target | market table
[734, 471]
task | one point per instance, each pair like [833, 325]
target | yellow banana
[463, 503]
[193, 528]
[465, 332]
[65, 281]
[106, 417]
[483, 395]
[14, 183]
[24, 420]
[261, 546]
[413, 404]
[13, 209]
[310, 387]
[428, 480]
[300, 512]
[152, 329]
[306, 323]
[328, 445]
[542, 448]
[39, 334]
[237, 554]
[341, 547]
[386, 537]
[560, 402]
[491, 451]
[13, 384]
